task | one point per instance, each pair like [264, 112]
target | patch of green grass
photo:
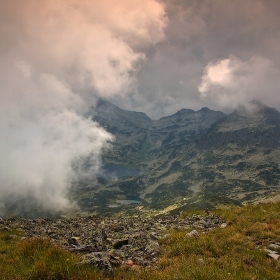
[39, 259]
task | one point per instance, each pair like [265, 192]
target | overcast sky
[151, 56]
[217, 53]
[58, 56]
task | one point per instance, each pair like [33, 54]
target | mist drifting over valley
[56, 58]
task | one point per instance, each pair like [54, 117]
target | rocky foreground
[109, 242]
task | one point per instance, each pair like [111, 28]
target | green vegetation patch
[33, 259]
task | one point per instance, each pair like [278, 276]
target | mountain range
[189, 159]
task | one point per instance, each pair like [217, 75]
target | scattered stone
[4, 229]
[193, 233]
[120, 243]
[273, 256]
[115, 261]
[273, 246]
[130, 262]
[223, 225]
[113, 241]
[74, 241]
[118, 229]
[270, 251]
[100, 259]
[152, 248]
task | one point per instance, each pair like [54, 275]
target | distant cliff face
[191, 156]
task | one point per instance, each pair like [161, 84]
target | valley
[189, 160]
[186, 160]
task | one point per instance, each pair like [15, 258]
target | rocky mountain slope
[137, 136]
[186, 160]
[189, 159]
[111, 242]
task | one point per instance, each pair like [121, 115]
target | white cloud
[56, 56]
[231, 82]
[24, 67]
[87, 43]
[42, 135]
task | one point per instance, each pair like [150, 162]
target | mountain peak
[253, 107]
[257, 109]
[106, 106]
[104, 103]
[206, 110]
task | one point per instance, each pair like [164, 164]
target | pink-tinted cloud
[231, 82]
[56, 57]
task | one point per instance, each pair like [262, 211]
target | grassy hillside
[235, 252]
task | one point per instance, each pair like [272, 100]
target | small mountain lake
[124, 202]
[127, 201]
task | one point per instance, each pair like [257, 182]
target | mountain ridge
[190, 158]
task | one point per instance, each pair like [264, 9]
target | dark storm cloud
[203, 33]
